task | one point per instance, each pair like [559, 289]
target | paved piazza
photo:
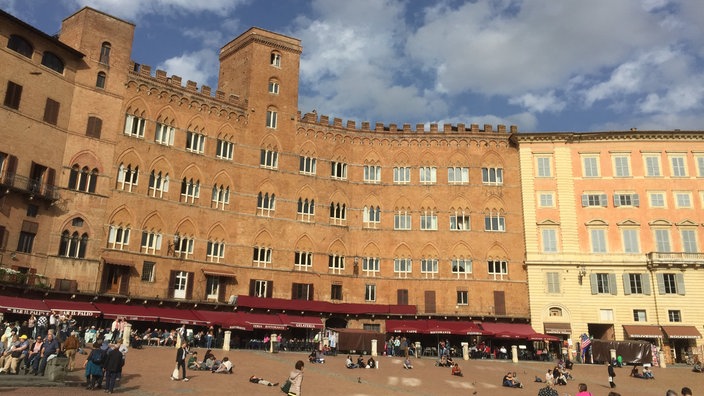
[147, 372]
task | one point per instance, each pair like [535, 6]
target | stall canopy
[129, 312]
[23, 306]
[642, 331]
[323, 306]
[301, 322]
[179, 316]
[557, 328]
[432, 326]
[73, 308]
[682, 332]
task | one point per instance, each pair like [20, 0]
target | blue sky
[543, 65]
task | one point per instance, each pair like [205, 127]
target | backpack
[97, 357]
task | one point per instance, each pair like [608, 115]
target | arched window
[53, 62]
[105, 53]
[276, 59]
[82, 179]
[100, 80]
[73, 244]
[20, 45]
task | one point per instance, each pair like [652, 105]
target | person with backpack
[94, 367]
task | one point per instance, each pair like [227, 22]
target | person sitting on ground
[261, 381]
[549, 378]
[697, 366]
[510, 382]
[360, 362]
[635, 373]
[456, 370]
[224, 367]
[193, 362]
[442, 362]
[568, 364]
[647, 373]
[407, 363]
[371, 363]
[349, 363]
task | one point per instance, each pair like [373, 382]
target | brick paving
[147, 372]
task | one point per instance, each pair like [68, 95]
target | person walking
[612, 374]
[181, 354]
[113, 363]
[296, 378]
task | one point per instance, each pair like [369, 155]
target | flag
[585, 341]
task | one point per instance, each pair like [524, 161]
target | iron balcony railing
[33, 187]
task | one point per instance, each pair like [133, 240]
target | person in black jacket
[113, 363]
[612, 374]
[181, 354]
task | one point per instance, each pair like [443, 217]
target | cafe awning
[682, 332]
[406, 326]
[302, 322]
[73, 308]
[224, 319]
[263, 321]
[24, 306]
[510, 330]
[642, 331]
[174, 315]
[557, 328]
[129, 312]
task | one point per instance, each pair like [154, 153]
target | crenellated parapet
[173, 85]
[323, 121]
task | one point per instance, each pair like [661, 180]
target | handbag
[174, 375]
[286, 387]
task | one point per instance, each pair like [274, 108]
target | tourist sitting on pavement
[349, 363]
[407, 363]
[510, 381]
[635, 373]
[443, 362]
[371, 363]
[697, 366]
[316, 357]
[456, 370]
[647, 373]
[193, 362]
[261, 381]
[548, 390]
[225, 367]
[360, 362]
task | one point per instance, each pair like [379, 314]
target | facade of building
[127, 184]
[613, 224]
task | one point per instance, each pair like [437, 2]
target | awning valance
[682, 332]
[642, 331]
[24, 306]
[225, 319]
[263, 321]
[514, 330]
[557, 328]
[73, 308]
[406, 326]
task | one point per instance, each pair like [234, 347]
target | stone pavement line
[147, 373]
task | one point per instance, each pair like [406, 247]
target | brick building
[134, 186]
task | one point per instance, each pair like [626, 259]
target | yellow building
[613, 225]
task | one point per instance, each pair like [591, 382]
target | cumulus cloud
[540, 103]
[135, 9]
[200, 66]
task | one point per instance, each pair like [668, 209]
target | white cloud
[135, 9]
[200, 66]
[540, 103]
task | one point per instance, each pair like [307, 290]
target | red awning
[263, 321]
[403, 309]
[129, 312]
[174, 315]
[323, 306]
[690, 332]
[302, 322]
[227, 320]
[406, 326]
[73, 308]
[24, 306]
[509, 330]
[557, 328]
[543, 337]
